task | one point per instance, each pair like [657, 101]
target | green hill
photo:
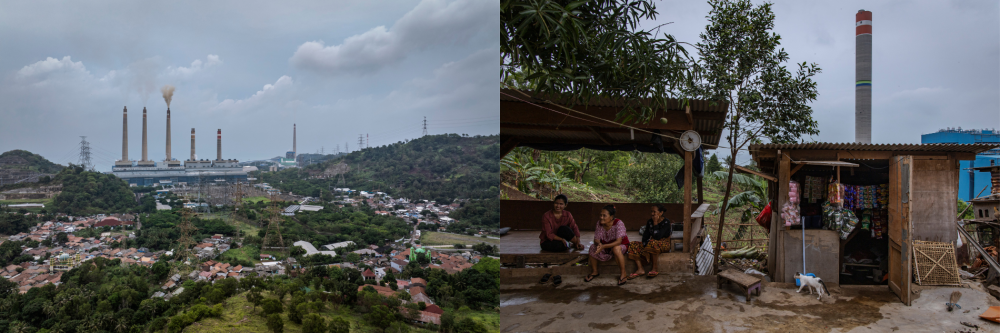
[435, 166]
[88, 192]
[24, 160]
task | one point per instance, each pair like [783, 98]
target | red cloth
[550, 224]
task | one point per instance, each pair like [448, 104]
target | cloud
[52, 67]
[261, 97]
[430, 23]
[196, 66]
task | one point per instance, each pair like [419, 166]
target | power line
[85, 154]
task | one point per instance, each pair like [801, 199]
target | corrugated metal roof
[672, 103]
[930, 147]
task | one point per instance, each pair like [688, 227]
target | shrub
[313, 323]
[271, 306]
[275, 324]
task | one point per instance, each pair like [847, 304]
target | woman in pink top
[610, 241]
[559, 230]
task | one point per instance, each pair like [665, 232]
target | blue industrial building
[978, 180]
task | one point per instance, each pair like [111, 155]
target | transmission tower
[186, 228]
[347, 149]
[425, 126]
[368, 142]
[361, 141]
[273, 235]
[85, 154]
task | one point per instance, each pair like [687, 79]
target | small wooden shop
[553, 123]
[850, 212]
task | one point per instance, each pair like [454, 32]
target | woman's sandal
[556, 280]
[622, 281]
[634, 275]
[590, 277]
[652, 274]
[545, 278]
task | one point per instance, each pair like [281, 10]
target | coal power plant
[170, 171]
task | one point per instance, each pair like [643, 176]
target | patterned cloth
[651, 249]
[608, 236]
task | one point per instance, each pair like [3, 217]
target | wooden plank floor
[525, 244]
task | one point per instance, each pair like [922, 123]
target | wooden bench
[746, 282]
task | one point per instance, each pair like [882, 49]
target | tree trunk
[722, 217]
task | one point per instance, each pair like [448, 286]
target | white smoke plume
[168, 93]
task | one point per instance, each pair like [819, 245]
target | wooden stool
[748, 283]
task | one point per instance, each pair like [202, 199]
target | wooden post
[687, 200]
[784, 170]
[701, 197]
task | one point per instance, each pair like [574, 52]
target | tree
[255, 297]
[160, 269]
[485, 249]
[297, 251]
[313, 323]
[339, 325]
[741, 63]
[271, 306]
[62, 238]
[590, 49]
[713, 164]
[751, 200]
[275, 324]
[380, 317]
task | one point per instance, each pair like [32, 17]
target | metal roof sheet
[672, 103]
[929, 147]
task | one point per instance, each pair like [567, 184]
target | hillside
[21, 166]
[435, 166]
[87, 192]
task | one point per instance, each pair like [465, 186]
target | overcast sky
[935, 64]
[336, 68]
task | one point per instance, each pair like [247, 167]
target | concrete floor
[682, 302]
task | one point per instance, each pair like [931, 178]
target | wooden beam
[701, 197]
[507, 146]
[574, 261]
[758, 173]
[687, 199]
[600, 135]
[507, 127]
[519, 112]
[687, 113]
[796, 169]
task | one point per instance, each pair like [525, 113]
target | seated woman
[655, 240]
[610, 242]
[559, 230]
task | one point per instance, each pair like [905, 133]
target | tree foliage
[433, 166]
[741, 62]
[591, 48]
[87, 192]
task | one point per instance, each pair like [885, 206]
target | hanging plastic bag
[764, 218]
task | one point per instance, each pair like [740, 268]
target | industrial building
[970, 182]
[146, 172]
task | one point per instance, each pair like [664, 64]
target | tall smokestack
[144, 159]
[168, 133]
[192, 145]
[124, 134]
[218, 147]
[863, 77]
[294, 150]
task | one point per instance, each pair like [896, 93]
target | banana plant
[752, 199]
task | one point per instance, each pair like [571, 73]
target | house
[368, 275]
[913, 189]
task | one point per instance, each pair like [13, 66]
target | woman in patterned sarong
[655, 240]
[610, 242]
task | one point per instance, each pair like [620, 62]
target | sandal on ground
[622, 281]
[634, 275]
[652, 274]
[556, 280]
[545, 278]
[590, 277]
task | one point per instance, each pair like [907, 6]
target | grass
[249, 253]
[441, 238]
[238, 315]
[256, 199]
